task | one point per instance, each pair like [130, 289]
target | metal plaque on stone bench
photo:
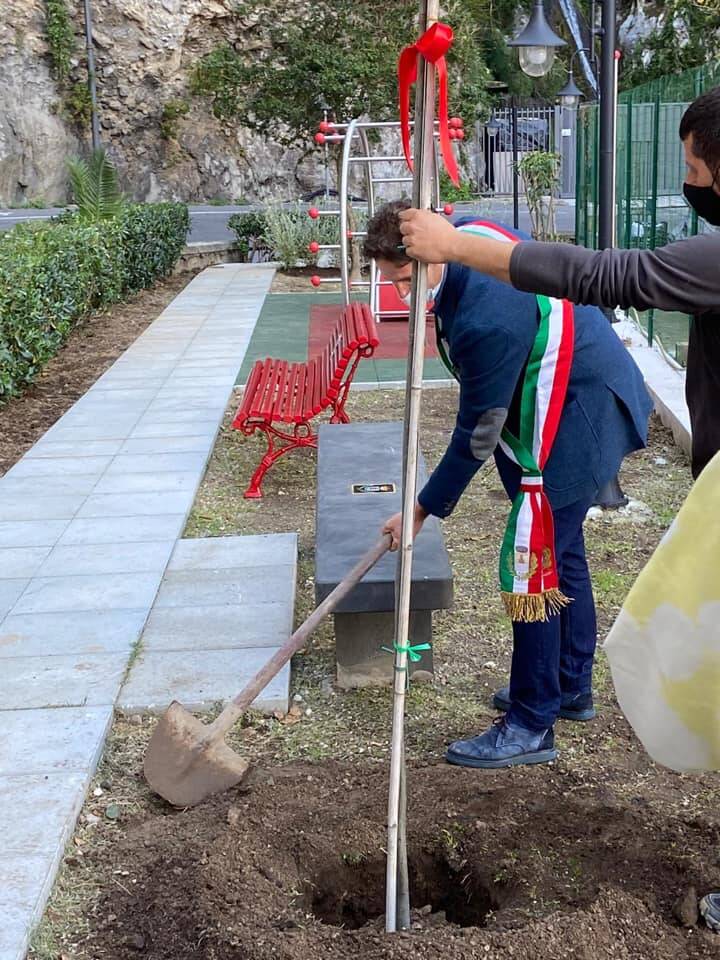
[360, 486]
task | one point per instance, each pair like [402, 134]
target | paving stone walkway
[224, 606]
[89, 518]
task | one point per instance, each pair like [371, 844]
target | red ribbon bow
[432, 46]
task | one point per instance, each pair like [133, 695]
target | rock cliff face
[144, 51]
[34, 141]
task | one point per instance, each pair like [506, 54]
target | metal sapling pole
[397, 910]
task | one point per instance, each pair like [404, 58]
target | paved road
[209, 223]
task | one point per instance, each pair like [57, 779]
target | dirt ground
[598, 856]
[89, 350]
[298, 280]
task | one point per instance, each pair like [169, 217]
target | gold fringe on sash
[534, 607]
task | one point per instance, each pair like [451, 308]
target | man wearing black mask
[682, 276]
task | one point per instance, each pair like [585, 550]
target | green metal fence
[650, 210]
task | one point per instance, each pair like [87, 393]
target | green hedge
[54, 274]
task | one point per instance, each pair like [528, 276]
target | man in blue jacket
[559, 404]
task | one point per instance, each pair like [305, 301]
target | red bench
[279, 392]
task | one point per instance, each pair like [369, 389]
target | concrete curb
[665, 381]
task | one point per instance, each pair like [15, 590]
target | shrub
[54, 274]
[285, 234]
[449, 193]
[60, 37]
[289, 232]
[250, 231]
[172, 113]
[541, 175]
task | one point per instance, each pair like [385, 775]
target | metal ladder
[354, 135]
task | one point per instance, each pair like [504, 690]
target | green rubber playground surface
[282, 331]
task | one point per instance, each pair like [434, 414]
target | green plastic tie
[413, 650]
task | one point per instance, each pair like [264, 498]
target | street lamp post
[568, 99]
[606, 191]
[537, 43]
[516, 179]
[92, 84]
[571, 95]
[325, 107]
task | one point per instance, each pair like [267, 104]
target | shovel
[187, 760]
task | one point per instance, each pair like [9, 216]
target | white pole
[422, 195]
[616, 68]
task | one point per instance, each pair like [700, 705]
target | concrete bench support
[359, 486]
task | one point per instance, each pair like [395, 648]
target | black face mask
[705, 202]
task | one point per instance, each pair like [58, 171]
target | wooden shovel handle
[220, 726]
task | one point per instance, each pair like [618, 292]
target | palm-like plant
[95, 187]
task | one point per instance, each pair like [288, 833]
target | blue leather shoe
[578, 706]
[710, 910]
[503, 745]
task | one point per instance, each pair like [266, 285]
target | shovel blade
[183, 766]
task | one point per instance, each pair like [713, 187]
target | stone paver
[75, 483]
[229, 625]
[199, 682]
[96, 559]
[47, 758]
[10, 590]
[74, 631]
[31, 533]
[184, 588]
[74, 680]
[88, 519]
[121, 529]
[224, 606]
[50, 741]
[152, 504]
[109, 591]
[21, 561]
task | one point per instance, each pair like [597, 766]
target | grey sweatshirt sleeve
[682, 276]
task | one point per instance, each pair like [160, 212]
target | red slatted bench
[282, 397]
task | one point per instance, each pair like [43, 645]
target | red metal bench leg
[302, 436]
[339, 416]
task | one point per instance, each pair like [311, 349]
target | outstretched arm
[432, 239]
[680, 276]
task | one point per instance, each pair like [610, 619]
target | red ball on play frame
[315, 280]
[460, 133]
[319, 138]
[324, 126]
[452, 133]
[455, 122]
[313, 246]
[313, 213]
[448, 209]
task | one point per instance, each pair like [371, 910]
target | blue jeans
[554, 658]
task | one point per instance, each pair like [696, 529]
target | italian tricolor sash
[528, 568]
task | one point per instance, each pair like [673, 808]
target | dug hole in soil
[291, 865]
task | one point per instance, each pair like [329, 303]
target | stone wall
[34, 140]
[145, 51]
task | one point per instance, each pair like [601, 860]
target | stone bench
[359, 486]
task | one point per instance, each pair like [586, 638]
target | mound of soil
[290, 865]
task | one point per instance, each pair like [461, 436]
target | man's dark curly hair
[702, 120]
[383, 234]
